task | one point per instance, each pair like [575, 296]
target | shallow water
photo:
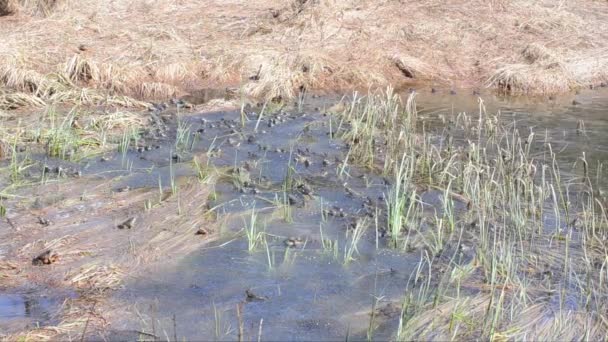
[309, 292]
[315, 296]
[20, 311]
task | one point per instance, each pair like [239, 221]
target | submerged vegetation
[514, 245]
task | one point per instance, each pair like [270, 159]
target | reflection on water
[20, 310]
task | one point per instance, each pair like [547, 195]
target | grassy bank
[116, 51]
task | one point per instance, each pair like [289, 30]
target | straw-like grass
[550, 71]
[96, 278]
[18, 100]
[277, 48]
[531, 271]
[17, 77]
[96, 256]
[79, 69]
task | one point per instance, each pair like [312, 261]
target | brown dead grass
[94, 255]
[270, 48]
[464, 318]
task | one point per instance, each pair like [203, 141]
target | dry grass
[97, 278]
[18, 100]
[36, 7]
[5, 150]
[79, 69]
[551, 71]
[95, 256]
[463, 318]
[14, 75]
[271, 48]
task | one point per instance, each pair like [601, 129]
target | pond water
[308, 292]
[306, 277]
[20, 311]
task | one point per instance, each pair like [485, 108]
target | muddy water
[20, 311]
[572, 124]
[306, 291]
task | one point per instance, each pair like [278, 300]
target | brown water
[310, 294]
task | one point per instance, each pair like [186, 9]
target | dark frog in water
[45, 258]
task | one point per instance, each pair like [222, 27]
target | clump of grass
[176, 73]
[535, 53]
[14, 75]
[80, 69]
[330, 246]
[255, 237]
[156, 90]
[400, 205]
[97, 278]
[283, 76]
[61, 139]
[118, 78]
[42, 7]
[204, 169]
[525, 79]
[412, 67]
[5, 150]
[183, 136]
[350, 247]
[514, 205]
[548, 71]
[10, 101]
